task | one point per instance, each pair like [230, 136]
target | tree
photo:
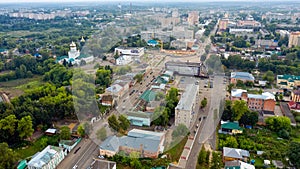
[278, 123]
[101, 134]
[216, 162]
[25, 127]
[294, 153]
[81, 131]
[113, 122]
[239, 108]
[160, 116]
[65, 133]
[229, 87]
[159, 96]
[230, 141]
[138, 77]
[124, 122]
[269, 76]
[203, 102]
[202, 156]
[8, 157]
[249, 118]
[227, 113]
[180, 130]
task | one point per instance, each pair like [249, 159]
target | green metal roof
[61, 58]
[22, 164]
[233, 167]
[290, 78]
[283, 83]
[148, 95]
[161, 80]
[231, 125]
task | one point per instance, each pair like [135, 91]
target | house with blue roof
[148, 143]
[243, 76]
[152, 42]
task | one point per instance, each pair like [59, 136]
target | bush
[284, 134]
[297, 118]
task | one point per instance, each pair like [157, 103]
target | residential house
[124, 60]
[69, 144]
[295, 95]
[243, 76]
[147, 143]
[50, 132]
[118, 88]
[139, 118]
[228, 127]
[294, 106]
[231, 154]
[287, 81]
[106, 99]
[266, 44]
[238, 165]
[49, 158]
[185, 109]
[131, 51]
[264, 102]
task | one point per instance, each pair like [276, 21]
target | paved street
[83, 156]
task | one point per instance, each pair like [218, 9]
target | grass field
[175, 152]
[17, 87]
[37, 146]
[18, 34]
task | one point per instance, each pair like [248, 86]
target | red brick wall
[269, 105]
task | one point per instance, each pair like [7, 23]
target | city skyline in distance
[126, 1]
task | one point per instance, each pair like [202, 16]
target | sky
[63, 1]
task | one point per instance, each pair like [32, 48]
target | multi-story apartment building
[193, 18]
[294, 39]
[185, 109]
[264, 102]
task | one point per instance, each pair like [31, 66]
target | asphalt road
[82, 158]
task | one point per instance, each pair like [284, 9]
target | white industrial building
[49, 158]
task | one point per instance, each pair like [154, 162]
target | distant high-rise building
[175, 13]
[193, 18]
[294, 39]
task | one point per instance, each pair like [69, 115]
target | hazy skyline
[155, 1]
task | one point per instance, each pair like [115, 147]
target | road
[83, 157]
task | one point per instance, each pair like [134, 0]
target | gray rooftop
[102, 164]
[235, 153]
[242, 75]
[136, 138]
[187, 98]
[112, 143]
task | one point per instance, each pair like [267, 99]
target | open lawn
[15, 88]
[18, 34]
[37, 146]
[175, 152]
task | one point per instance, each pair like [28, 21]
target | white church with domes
[74, 56]
[73, 53]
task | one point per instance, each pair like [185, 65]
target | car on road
[77, 150]
[75, 166]
[197, 125]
